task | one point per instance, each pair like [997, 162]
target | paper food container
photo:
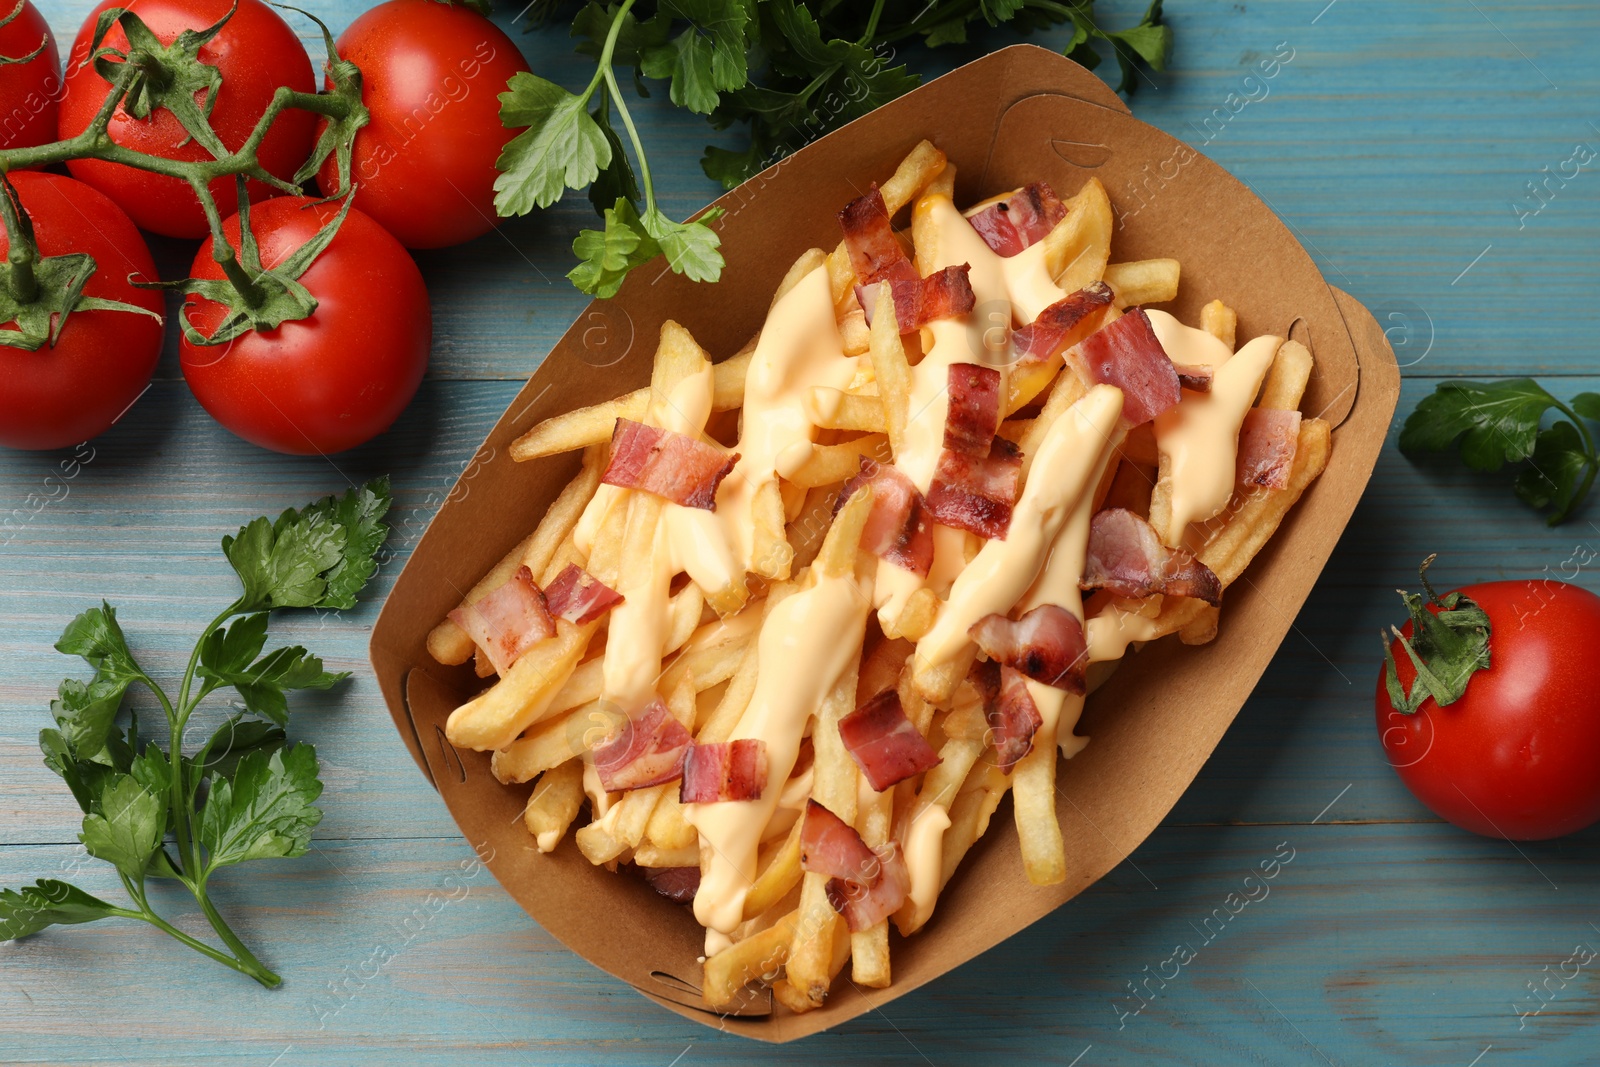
[1019, 115]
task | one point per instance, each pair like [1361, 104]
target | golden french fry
[649, 854]
[837, 557]
[889, 366]
[921, 166]
[1220, 321]
[834, 785]
[970, 814]
[1033, 796]
[1202, 629]
[1143, 281]
[1027, 381]
[549, 744]
[742, 686]
[838, 410]
[1068, 389]
[939, 788]
[854, 335]
[778, 877]
[521, 698]
[869, 949]
[919, 614]
[554, 804]
[757, 957]
[832, 464]
[771, 555]
[806, 531]
[1077, 249]
[1256, 518]
[448, 642]
[1287, 378]
[621, 827]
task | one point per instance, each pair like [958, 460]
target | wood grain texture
[1395, 143]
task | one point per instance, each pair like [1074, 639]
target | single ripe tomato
[1517, 755]
[431, 77]
[255, 52]
[329, 382]
[31, 91]
[73, 390]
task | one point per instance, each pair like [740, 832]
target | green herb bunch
[787, 71]
[246, 793]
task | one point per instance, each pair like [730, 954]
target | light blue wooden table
[1395, 144]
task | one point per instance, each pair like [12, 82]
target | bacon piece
[1046, 644]
[865, 906]
[677, 884]
[1196, 377]
[1128, 355]
[1022, 220]
[831, 846]
[1128, 559]
[884, 743]
[1267, 443]
[727, 770]
[668, 464]
[945, 294]
[508, 621]
[1009, 710]
[864, 885]
[1063, 324]
[876, 254]
[974, 412]
[897, 528]
[647, 751]
[976, 494]
[578, 596]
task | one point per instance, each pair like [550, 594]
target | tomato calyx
[165, 76]
[343, 110]
[256, 297]
[1447, 647]
[39, 293]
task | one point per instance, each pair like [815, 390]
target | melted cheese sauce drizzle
[1199, 439]
[808, 641]
[1003, 571]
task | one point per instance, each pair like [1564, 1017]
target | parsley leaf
[606, 256]
[707, 57]
[48, 902]
[316, 558]
[562, 147]
[128, 828]
[1491, 424]
[264, 809]
[159, 812]
[690, 247]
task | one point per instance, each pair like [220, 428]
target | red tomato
[67, 393]
[29, 92]
[255, 52]
[331, 381]
[1518, 754]
[431, 75]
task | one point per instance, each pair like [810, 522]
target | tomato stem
[22, 254]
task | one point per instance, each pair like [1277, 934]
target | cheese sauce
[1199, 439]
[808, 641]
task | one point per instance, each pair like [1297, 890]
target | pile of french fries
[544, 718]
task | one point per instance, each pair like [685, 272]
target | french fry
[917, 617]
[1202, 629]
[1077, 249]
[771, 555]
[832, 464]
[1287, 378]
[1026, 381]
[970, 814]
[780, 875]
[1033, 797]
[683, 616]
[854, 335]
[838, 410]
[834, 785]
[554, 804]
[1143, 281]
[869, 949]
[521, 698]
[549, 744]
[806, 532]
[1256, 519]
[649, 854]
[447, 642]
[916, 171]
[889, 365]
[1221, 322]
[939, 788]
[1067, 391]
[593, 425]
[759, 956]
[742, 686]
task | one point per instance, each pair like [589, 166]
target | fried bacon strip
[1128, 559]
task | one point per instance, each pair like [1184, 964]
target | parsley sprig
[1494, 423]
[786, 70]
[246, 793]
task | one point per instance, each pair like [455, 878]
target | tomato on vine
[222, 76]
[424, 166]
[336, 341]
[30, 86]
[83, 340]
